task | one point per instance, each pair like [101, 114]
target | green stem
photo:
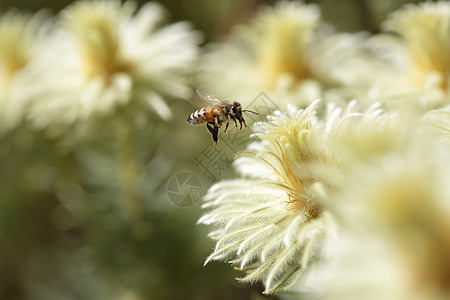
[132, 202]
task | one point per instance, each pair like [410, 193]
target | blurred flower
[418, 59]
[284, 52]
[19, 34]
[271, 222]
[394, 238]
[390, 205]
[105, 55]
[280, 37]
[437, 122]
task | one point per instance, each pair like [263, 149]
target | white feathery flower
[19, 36]
[285, 52]
[418, 58]
[437, 122]
[390, 205]
[394, 237]
[271, 223]
[105, 55]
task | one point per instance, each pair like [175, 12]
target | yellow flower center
[95, 26]
[298, 152]
[426, 30]
[281, 37]
[14, 45]
[282, 51]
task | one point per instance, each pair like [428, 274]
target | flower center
[280, 37]
[426, 30]
[96, 29]
[13, 46]
[100, 50]
[282, 51]
[430, 51]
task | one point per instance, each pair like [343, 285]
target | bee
[217, 114]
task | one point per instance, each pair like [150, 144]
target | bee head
[236, 111]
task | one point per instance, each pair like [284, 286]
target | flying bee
[217, 114]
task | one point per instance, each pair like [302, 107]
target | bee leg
[235, 122]
[216, 135]
[226, 127]
[214, 132]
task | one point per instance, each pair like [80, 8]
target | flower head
[108, 54]
[389, 203]
[280, 37]
[19, 35]
[425, 29]
[286, 52]
[95, 33]
[422, 46]
[271, 222]
[394, 229]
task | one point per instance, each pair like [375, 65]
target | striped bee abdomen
[197, 117]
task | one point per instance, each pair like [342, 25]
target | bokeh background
[63, 234]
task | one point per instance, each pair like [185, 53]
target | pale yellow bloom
[286, 52]
[280, 38]
[19, 36]
[426, 31]
[271, 223]
[395, 234]
[106, 55]
[418, 68]
[390, 203]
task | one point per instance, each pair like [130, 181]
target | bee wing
[208, 97]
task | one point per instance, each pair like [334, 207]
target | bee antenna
[253, 112]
